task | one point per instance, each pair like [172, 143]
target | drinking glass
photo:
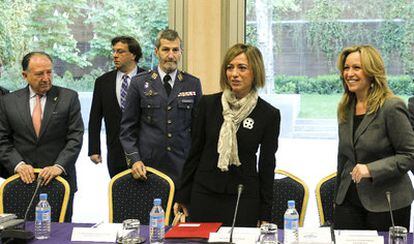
[130, 232]
[268, 234]
[397, 235]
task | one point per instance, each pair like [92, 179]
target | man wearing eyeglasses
[156, 123]
[109, 100]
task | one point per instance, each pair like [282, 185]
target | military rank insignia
[187, 94]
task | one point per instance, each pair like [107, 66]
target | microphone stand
[22, 235]
[239, 192]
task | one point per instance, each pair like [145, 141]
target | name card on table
[103, 233]
[241, 235]
[359, 240]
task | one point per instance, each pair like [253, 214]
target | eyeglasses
[119, 51]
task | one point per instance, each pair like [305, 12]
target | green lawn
[316, 106]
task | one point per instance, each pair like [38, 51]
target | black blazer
[61, 132]
[105, 105]
[201, 165]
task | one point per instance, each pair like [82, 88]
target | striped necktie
[124, 89]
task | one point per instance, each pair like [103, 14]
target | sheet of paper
[359, 239]
[315, 235]
[103, 233]
[241, 235]
[357, 233]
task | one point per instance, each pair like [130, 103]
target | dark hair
[133, 45]
[27, 57]
[168, 34]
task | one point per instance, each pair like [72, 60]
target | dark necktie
[124, 89]
[167, 84]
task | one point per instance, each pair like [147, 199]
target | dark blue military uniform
[155, 127]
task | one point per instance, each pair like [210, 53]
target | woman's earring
[372, 85]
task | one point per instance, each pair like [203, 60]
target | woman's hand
[179, 207]
[360, 171]
[260, 222]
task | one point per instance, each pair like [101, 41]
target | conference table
[62, 232]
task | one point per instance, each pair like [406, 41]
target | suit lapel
[368, 118]
[178, 84]
[23, 109]
[51, 102]
[112, 91]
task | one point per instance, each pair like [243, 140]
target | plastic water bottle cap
[43, 196]
[157, 201]
[291, 203]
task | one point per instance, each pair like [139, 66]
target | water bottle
[157, 224]
[42, 221]
[291, 222]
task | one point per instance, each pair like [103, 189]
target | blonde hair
[373, 67]
[255, 59]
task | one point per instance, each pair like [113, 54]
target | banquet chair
[287, 187]
[133, 199]
[15, 196]
[325, 198]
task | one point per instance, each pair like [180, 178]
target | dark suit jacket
[61, 132]
[105, 105]
[384, 141]
[411, 110]
[201, 165]
[156, 129]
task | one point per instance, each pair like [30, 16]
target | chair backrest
[325, 198]
[15, 196]
[133, 199]
[288, 187]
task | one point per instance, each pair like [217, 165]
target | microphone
[239, 192]
[23, 234]
[388, 196]
[331, 229]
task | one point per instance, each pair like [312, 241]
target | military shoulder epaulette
[188, 74]
[143, 73]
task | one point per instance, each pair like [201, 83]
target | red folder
[192, 230]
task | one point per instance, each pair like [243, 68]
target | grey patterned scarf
[234, 112]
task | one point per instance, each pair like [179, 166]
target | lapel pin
[154, 76]
[248, 123]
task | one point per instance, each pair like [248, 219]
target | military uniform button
[169, 108]
[169, 121]
[169, 135]
[188, 106]
[169, 149]
[149, 106]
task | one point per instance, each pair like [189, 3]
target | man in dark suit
[108, 101]
[156, 123]
[41, 127]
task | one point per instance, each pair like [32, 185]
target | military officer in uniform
[156, 123]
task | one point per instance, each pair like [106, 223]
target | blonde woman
[376, 146]
[229, 129]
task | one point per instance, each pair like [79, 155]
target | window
[77, 34]
[300, 41]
